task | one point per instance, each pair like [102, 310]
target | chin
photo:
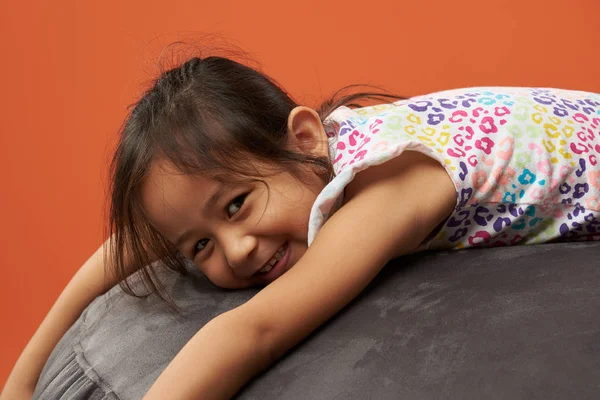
[232, 285]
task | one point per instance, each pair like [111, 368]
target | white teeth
[271, 263]
[266, 269]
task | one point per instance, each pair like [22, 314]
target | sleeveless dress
[524, 161]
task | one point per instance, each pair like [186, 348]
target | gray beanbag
[503, 323]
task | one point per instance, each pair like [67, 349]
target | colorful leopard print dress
[524, 161]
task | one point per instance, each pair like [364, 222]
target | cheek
[284, 216]
[220, 275]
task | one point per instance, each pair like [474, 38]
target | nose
[239, 249]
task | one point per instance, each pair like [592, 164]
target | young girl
[219, 165]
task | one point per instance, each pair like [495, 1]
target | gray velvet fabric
[503, 323]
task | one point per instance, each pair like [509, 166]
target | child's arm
[89, 282]
[391, 210]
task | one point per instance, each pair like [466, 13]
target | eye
[200, 245]
[235, 205]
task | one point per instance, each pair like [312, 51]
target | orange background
[70, 68]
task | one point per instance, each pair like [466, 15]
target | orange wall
[69, 69]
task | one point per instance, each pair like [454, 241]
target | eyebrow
[211, 203]
[215, 197]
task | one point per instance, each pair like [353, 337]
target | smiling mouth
[274, 260]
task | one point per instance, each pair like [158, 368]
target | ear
[306, 132]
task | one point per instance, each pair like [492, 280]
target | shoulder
[411, 184]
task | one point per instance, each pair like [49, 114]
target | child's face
[233, 231]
